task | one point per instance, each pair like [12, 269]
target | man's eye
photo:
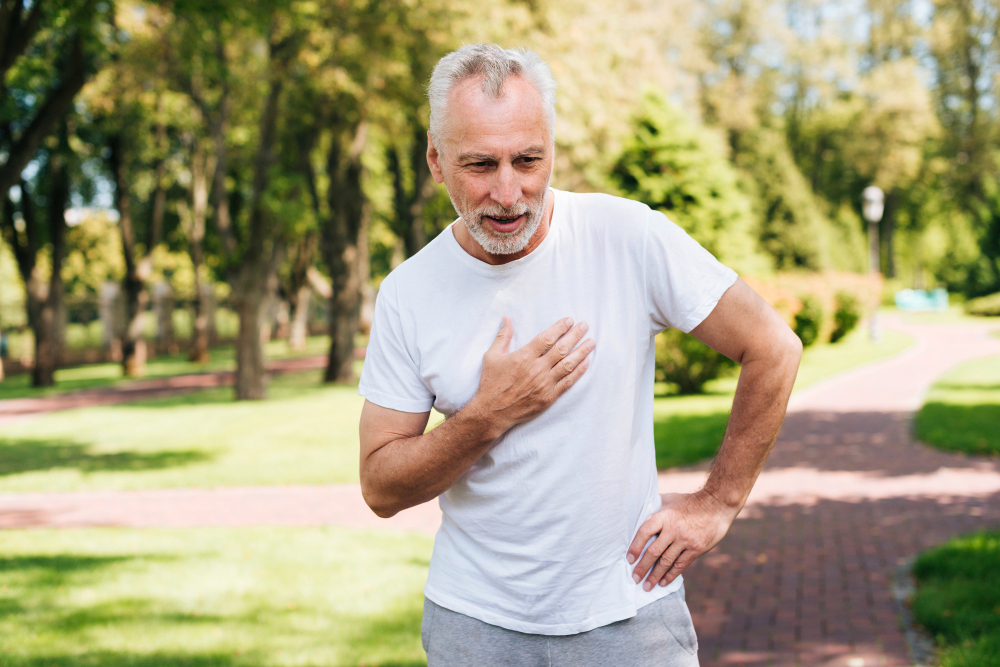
[529, 160]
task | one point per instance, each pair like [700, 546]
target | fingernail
[631, 558]
[584, 327]
[568, 321]
[647, 586]
[635, 578]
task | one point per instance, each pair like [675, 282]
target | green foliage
[685, 361]
[845, 316]
[958, 597]
[984, 306]
[790, 217]
[679, 168]
[809, 321]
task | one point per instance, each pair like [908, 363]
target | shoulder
[600, 205]
[420, 273]
[608, 219]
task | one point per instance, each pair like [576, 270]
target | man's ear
[434, 160]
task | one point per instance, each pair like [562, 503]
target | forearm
[409, 471]
[758, 410]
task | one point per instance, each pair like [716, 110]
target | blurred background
[200, 199]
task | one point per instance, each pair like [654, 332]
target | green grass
[110, 374]
[962, 410]
[689, 429]
[305, 434]
[254, 597]
[958, 599]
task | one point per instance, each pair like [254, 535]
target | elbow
[378, 504]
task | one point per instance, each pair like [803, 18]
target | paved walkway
[802, 579]
[143, 389]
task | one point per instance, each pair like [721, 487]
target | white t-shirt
[534, 535]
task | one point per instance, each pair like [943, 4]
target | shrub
[809, 321]
[846, 315]
[687, 362]
[984, 306]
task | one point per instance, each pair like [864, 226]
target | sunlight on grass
[962, 410]
[306, 434]
[958, 599]
[219, 597]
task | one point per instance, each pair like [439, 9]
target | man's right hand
[516, 386]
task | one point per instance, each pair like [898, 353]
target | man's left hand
[688, 525]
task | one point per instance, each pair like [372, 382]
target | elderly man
[555, 546]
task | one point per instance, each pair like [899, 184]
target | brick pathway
[142, 389]
[802, 579]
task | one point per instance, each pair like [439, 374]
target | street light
[872, 207]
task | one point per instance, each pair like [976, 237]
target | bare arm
[401, 466]
[746, 329]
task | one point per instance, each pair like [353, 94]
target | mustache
[503, 211]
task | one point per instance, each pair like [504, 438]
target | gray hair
[495, 65]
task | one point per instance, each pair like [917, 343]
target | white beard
[503, 243]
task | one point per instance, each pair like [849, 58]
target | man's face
[496, 161]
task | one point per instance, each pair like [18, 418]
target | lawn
[958, 599]
[211, 597]
[305, 434]
[962, 409]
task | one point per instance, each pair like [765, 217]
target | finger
[650, 558]
[502, 342]
[571, 379]
[683, 560]
[543, 341]
[565, 345]
[574, 359]
[663, 564]
[651, 527]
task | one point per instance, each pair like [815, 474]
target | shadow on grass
[21, 455]
[960, 428]
[685, 439]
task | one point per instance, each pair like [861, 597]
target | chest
[461, 323]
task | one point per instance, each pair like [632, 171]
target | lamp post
[872, 207]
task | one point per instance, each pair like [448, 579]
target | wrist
[728, 503]
[483, 419]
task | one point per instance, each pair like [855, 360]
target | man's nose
[507, 187]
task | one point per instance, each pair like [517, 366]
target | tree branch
[51, 111]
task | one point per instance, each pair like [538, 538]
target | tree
[676, 167]
[46, 55]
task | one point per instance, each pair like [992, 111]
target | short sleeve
[684, 281]
[389, 376]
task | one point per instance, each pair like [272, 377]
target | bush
[984, 306]
[809, 321]
[687, 362]
[845, 316]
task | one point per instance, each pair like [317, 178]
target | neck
[471, 246]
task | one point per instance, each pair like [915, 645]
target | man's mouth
[504, 223]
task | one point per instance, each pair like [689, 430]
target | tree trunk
[259, 264]
[251, 373]
[345, 246]
[298, 332]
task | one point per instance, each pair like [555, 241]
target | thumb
[502, 342]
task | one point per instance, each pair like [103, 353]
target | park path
[804, 576]
[142, 389]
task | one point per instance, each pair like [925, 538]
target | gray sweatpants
[660, 635]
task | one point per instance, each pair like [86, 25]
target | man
[555, 546]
